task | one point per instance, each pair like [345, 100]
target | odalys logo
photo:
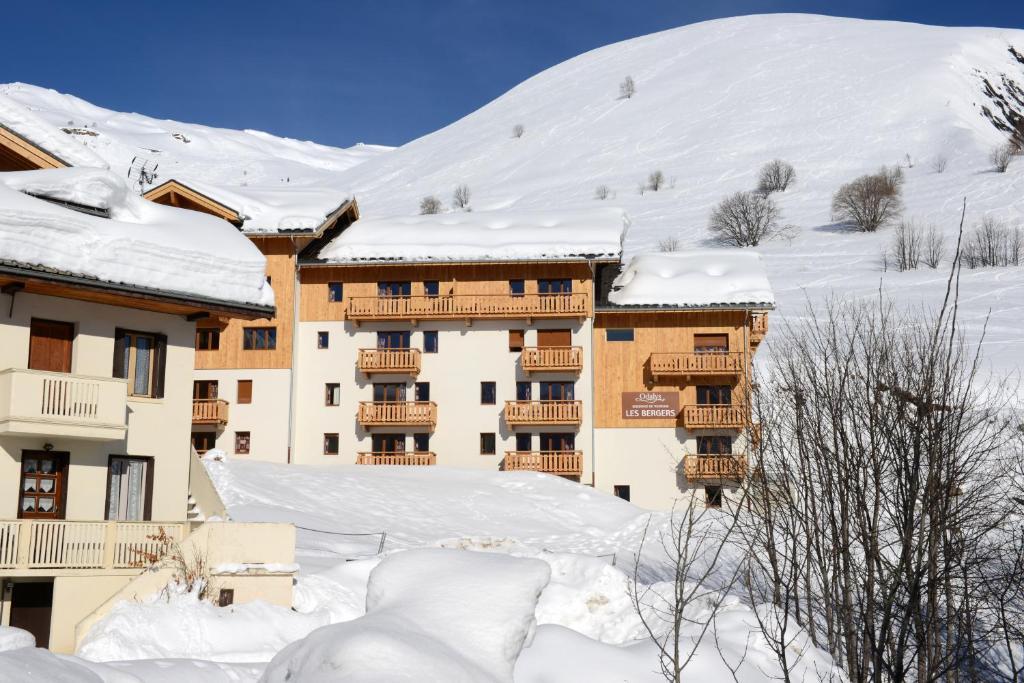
[648, 397]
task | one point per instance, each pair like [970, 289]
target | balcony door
[557, 391]
[50, 344]
[129, 488]
[388, 392]
[393, 340]
[562, 443]
[43, 485]
[714, 395]
[389, 443]
[204, 389]
[554, 338]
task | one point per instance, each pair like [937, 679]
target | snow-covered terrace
[482, 236]
[139, 244]
[702, 278]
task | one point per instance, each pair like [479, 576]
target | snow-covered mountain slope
[714, 101]
[217, 156]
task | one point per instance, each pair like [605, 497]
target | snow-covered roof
[31, 127]
[482, 236]
[141, 244]
[703, 278]
[278, 208]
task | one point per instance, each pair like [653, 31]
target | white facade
[264, 418]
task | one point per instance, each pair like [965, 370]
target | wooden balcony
[468, 307]
[389, 361]
[398, 414]
[696, 364]
[552, 359]
[715, 417]
[209, 411]
[758, 328]
[43, 544]
[715, 467]
[406, 458]
[543, 412]
[57, 404]
[562, 463]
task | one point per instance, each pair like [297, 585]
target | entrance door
[50, 345]
[31, 608]
[43, 485]
[550, 338]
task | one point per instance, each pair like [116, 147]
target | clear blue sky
[345, 71]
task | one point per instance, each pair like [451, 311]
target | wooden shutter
[549, 338]
[119, 341]
[159, 364]
[50, 345]
[244, 391]
[516, 340]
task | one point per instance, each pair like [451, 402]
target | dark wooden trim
[64, 460]
[147, 503]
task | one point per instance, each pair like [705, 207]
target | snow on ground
[483, 235]
[141, 243]
[13, 638]
[703, 277]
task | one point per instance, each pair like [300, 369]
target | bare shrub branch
[993, 244]
[1001, 157]
[460, 198]
[627, 88]
[429, 205]
[655, 180]
[745, 219]
[871, 201]
[775, 176]
[601, 192]
[518, 130]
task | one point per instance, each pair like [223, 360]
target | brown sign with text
[649, 405]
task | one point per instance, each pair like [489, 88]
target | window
[714, 445]
[622, 491]
[516, 340]
[330, 444]
[559, 286]
[711, 343]
[242, 443]
[259, 338]
[559, 442]
[226, 597]
[431, 287]
[204, 389]
[129, 488]
[270, 280]
[713, 496]
[421, 443]
[557, 391]
[323, 339]
[487, 443]
[140, 358]
[332, 394]
[388, 392]
[714, 395]
[203, 441]
[430, 341]
[488, 393]
[43, 485]
[523, 391]
[335, 291]
[387, 289]
[393, 340]
[618, 335]
[422, 391]
[207, 339]
[244, 394]
[524, 441]
[517, 287]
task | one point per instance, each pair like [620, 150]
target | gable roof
[178, 194]
[28, 142]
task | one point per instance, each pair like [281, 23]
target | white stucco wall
[265, 418]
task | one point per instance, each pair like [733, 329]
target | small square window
[332, 394]
[523, 391]
[207, 339]
[242, 443]
[622, 491]
[517, 287]
[524, 441]
[421, 443]
[430, 341]
[335, 291]
[516, 340]
[487, 443]
[226, 597]
[713, 496]
[330, 444]
[488, 393]
[323, 339]
[431, 287]
[619, 335]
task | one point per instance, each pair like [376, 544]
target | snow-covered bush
[670, 243]
[627, 88]
[518, 130]
[655, 180]
[993, 244]
[1001, 156]
[745, 219]
[429, 205]
[460, 198]
[775, 176]
[601, 192]
[871, 201]
[939, 163]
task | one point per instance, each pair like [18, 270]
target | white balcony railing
[37, 403]
[27, 544]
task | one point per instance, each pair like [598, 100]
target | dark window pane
[330, 444]
[488, 393]
[523, 391]
[430, 341]
[487, 444]
[421, 443]
[422, 391]
[714, 395]
[431, 287]
[524, 442]
[618, 335]
[323, 339]
[335, 291]
[622, 491]
[517, 287]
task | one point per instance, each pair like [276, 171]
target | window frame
[418, 439]
[147, 487]
[421, 392]
[130, 336]
[558, 286]
[212, 335]
[514, 284]
[619, 335]
[434, 285]
[329, 395]
[337, 443]
[488, 443]
[263, 338]
[713, 496]
[323, 339]
[428, 346]
[488, 393]
[335, 292]
[246, 437]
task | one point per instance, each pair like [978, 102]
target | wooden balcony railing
[563, 463]
[407, 458]
[209, 411]
[543, 412]
[694, 364]
[398, 414]
[58, 404]
[58, 544]
[758, 327]
[394, 361]
[552, 359]
[704, 467]
[459, 306]
[715, 417]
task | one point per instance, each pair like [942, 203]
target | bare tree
[934, 247]
[939, 163]
[669, 244]
[601, 192]
[993, 244]
[518, 130]
[655, 180]
[905, 252]
[745, 219]
[1001, 156]
[871, 201]
[627, 88]
[460, 198]
[429, 205]
[775, 176]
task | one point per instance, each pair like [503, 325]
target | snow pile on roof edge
[28, 125]
[698, 278]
